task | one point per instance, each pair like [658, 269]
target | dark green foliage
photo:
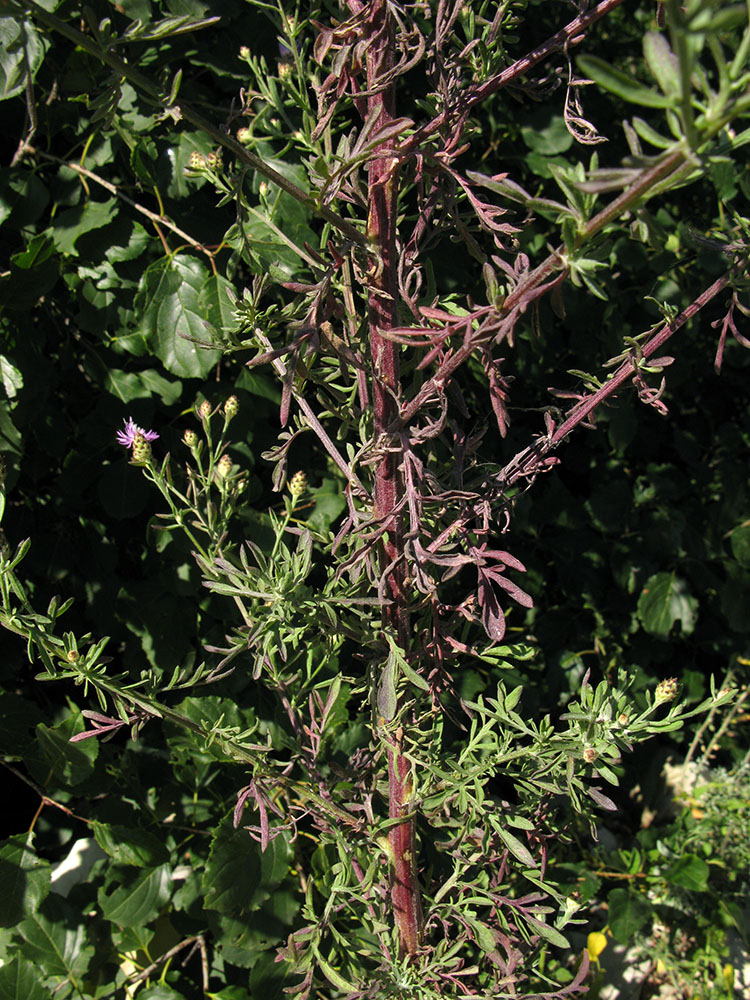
[181, 225]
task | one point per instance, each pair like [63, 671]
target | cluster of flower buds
[667, 690]
[298, 484]
[199, 162]
[224, 467]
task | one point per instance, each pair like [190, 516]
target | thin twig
[157, 220]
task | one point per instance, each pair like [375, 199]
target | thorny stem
[389, 482]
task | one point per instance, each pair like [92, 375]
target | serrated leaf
[55, 940]
[127, 386]
[127, 846]
[70, 763]
[24, 879]
[238, 878]
[21, 49]
[169, 302]
[628, 912]
[71, 224]
[139, 901]
[20, 980]
[689, 872]
[620, 84]
[665, 600]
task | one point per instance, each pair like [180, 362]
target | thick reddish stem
[389, 483]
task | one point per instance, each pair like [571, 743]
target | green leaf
[128, 846]
[20, 980]
[739, 540]
[689, 872]
[55, 940]
[69, 763]
[21, 49]
[70, 225]
[11, 376]
[620, 84]
[23, 197]
[127, 386]
[24, 879]
[628, 912]
[665, 600]
[139, 901]
[169, 303]
[516, 848]
[663, 63]
[32, 273]
[545, 134]
[551, 934]
[238, 877]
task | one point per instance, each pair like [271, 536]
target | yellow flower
[595, 945]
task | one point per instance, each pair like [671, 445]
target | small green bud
[298, 484]
[284, 70]
[667, 690]
[205, 410]
[141, 450]
[231, 407]
[244, 135]
[213, 161]
[197, 162]
[190, 438]
[244, 52]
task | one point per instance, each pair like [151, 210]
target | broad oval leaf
[665, 600]
[171, 306]
[689, 872]
[140, 901]
[628, 912]
[20, 980]
[24, 879]
[130, 846]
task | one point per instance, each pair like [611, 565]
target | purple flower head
[127, 436]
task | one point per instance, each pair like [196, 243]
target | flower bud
[284, 70]
[622, 719]
[197, 162]
[667, 690]
[72, 656]
[205, 410]
[231, 408]
[141, 450]
[243, 135]
[213, 161]
[590, 755]
[190, 438]
[244, 52]
[224, 467]
[298, 484]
